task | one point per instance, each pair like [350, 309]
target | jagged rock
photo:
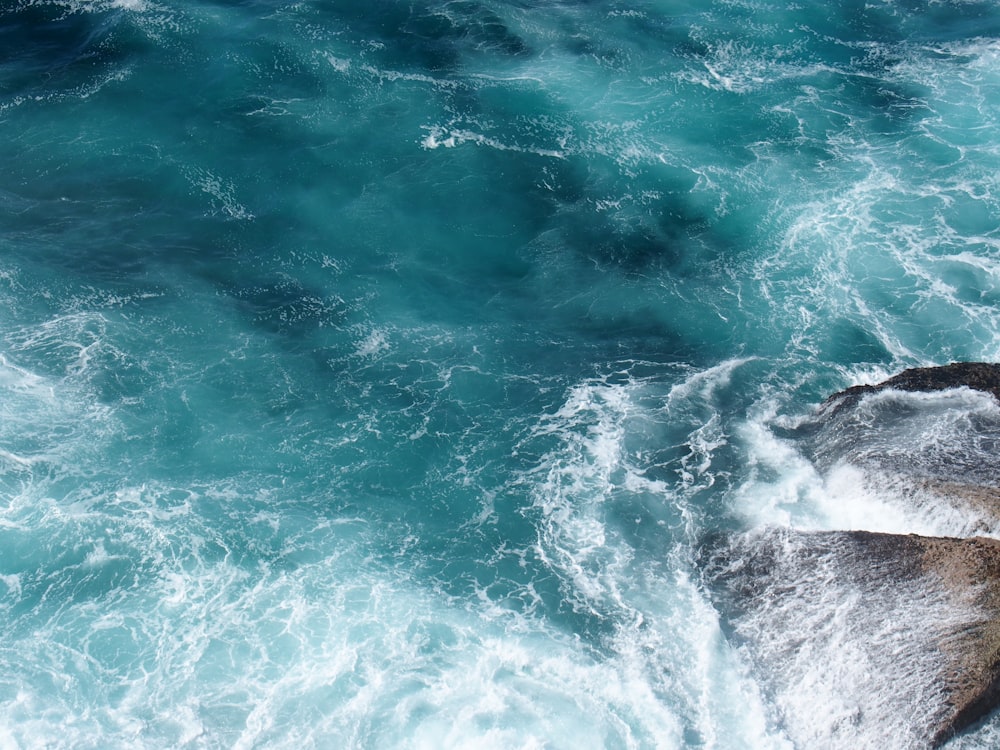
[927, 437]
[979, 376]
[865, 639]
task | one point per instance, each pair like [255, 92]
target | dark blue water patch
[650, 30]
[951, 21]
[288, 307]
[431, 37]
[107, 209]
[472, 207]
[887, 108]
[844, 32]
[674, 238]
[470, 24]
[278, 70]
[48, 49]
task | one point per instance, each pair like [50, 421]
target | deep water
[371, 371]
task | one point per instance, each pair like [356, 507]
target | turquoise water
[369, 372]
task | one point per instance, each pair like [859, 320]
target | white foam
[899, 224]
[13, 584]
[222, 191]
[17, 462]
[574, 482]
[741, 68]
[95, 6]
[340, 64]
[667, 634]
[372, 345]
[709, 679]
[51, 421]
[704, 383]
[986, 735]
[341, 651]
[69, 341]
[451, 137]
[784, 489]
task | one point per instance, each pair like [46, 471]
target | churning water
[371, 371]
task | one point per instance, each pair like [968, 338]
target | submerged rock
[865, 639]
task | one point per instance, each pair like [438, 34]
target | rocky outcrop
[979, 376]
[866, 639]
[917, 438]
[969, 570]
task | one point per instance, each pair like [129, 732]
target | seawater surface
[370, 372]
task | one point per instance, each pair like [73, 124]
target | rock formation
[918, 437]
[979, 376]
[865, 639]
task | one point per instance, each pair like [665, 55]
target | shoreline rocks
[897, 637]
[872, 639]
[979, 376]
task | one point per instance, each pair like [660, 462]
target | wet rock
[926, 438]
[979, 376]
[864, 639]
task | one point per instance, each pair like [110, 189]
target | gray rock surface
[928, 436]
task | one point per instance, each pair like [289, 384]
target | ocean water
[371, 373]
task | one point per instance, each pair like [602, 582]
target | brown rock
[866, 639]
[938, 451]
[970, 569]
